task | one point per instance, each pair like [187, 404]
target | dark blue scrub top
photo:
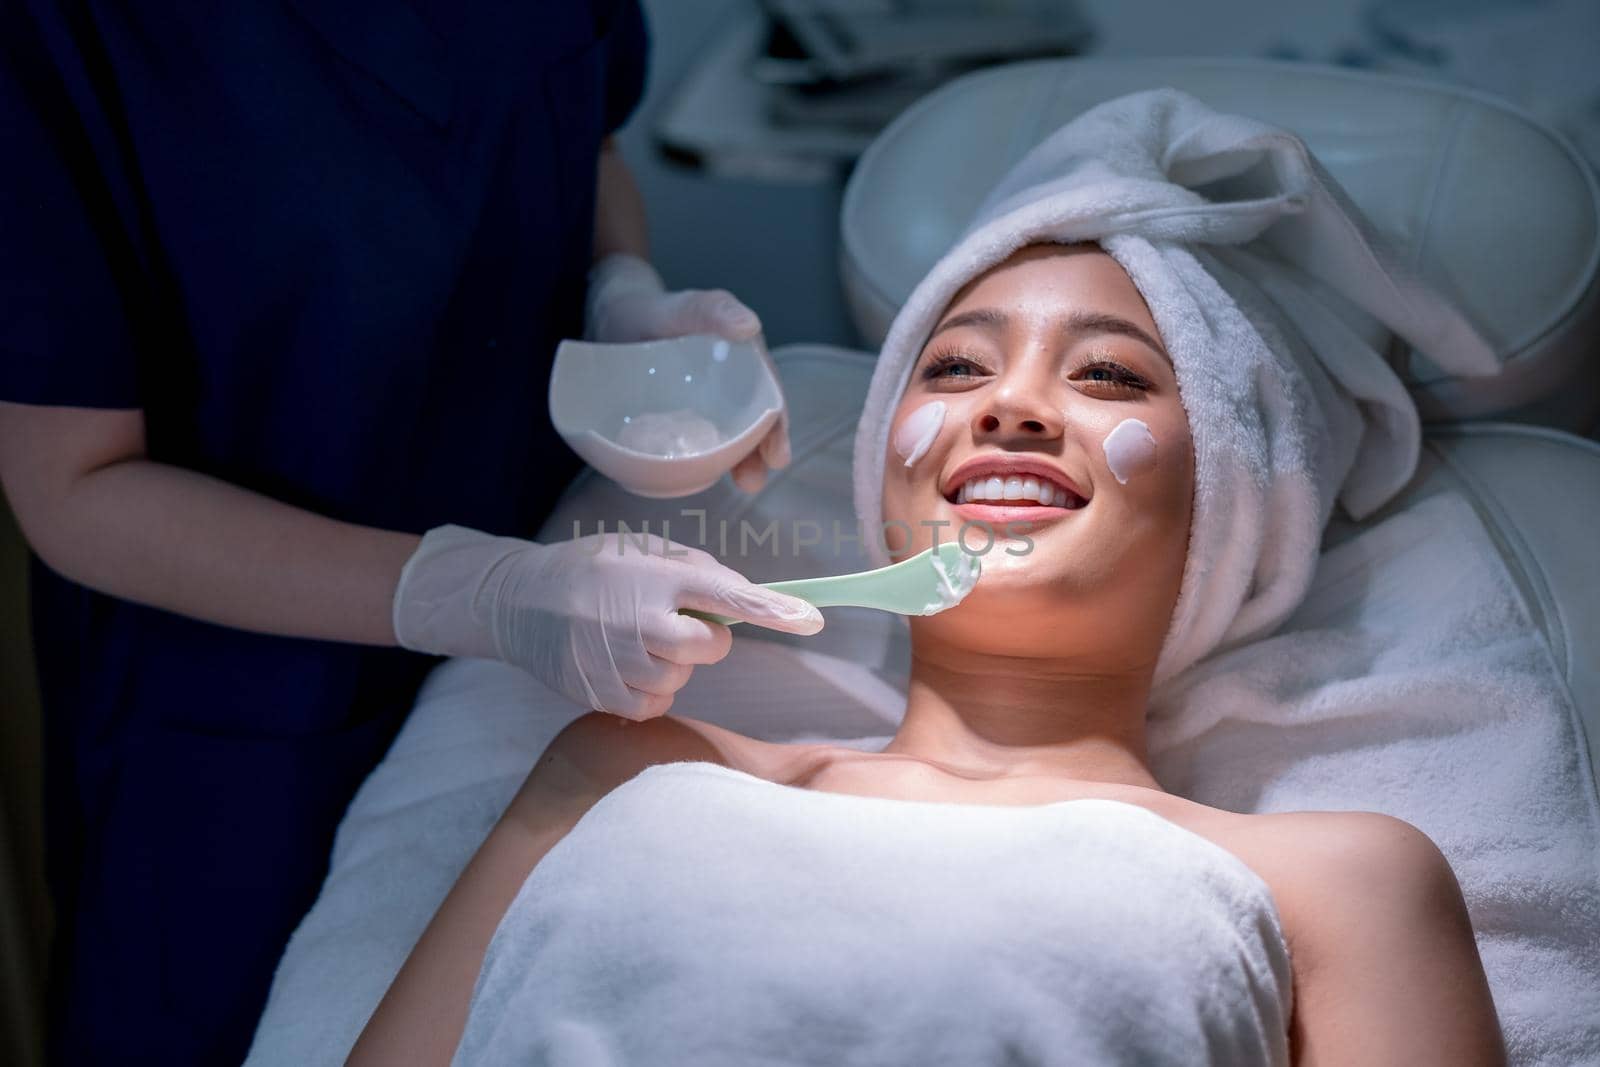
[328, 247]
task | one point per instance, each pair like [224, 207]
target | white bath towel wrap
[698, 915]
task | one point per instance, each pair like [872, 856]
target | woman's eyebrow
[992, 317]
[1079, 322]
[1084, 322]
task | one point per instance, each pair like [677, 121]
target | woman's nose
[1016, 409]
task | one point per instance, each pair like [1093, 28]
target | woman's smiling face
[1036, 363]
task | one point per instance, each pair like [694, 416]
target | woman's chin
[1016, 585]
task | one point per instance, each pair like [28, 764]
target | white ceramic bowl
[597, 391]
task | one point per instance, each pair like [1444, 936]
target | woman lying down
[1006, 881]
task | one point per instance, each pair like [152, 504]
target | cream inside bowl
[664, 418]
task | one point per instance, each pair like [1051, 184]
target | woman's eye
[1111, 374]
[951, 366]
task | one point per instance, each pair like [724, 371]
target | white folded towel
[700, 915]
[1412, 681]
[1269, 288]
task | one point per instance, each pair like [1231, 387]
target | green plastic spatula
[925, 584]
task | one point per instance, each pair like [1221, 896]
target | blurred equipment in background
[1541, 55]
[796, 90]
[1538, 54]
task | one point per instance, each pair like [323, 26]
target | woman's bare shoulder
[1380, 940]
[1312, 859]
[1309, 847]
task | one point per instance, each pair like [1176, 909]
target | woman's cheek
[1152, 459]
[920, 440]
[917, 432]
[1131, 450]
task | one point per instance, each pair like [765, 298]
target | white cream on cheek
[918, 432]
[1130, 449]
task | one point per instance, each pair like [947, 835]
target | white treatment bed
[1445, 667]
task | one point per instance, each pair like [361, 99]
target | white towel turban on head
[1264, 280]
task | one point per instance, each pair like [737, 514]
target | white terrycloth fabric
[1412, 681]
[1264, 280]
[700, 915]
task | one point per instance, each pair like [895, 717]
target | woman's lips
[998, 515]
[999, 478]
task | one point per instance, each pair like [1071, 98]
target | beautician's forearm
[198, 546]
[189, 543]
[620, 223]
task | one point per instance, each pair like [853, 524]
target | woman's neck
[992, 717]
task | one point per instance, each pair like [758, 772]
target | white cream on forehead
[1130, 449]
[917, 433]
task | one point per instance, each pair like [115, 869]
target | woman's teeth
[1022, 491]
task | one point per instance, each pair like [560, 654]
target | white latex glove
[595, 619]
[629, 302]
